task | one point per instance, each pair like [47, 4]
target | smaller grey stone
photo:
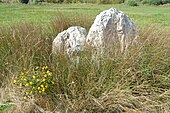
[70, 41]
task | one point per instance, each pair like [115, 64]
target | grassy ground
[136, 83]
[42, 14]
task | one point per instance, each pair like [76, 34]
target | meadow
[33, 80]
[43, 14]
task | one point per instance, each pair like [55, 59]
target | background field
[43, 14]
[138, 82]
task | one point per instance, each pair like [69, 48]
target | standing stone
[70, 41]
[112, 28]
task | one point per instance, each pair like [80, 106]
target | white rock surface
[112, 28]
[70, 41]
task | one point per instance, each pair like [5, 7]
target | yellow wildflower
[42, 85]
[46, 86]
[38, 88]
[33, 76]
[25, 97]
[31, 83]
[25, 79]
[26, 85]
[45, 75]
[43, 68]
[20, 84]
[43, 89]
[36, 67]
[43, 79]
[30, 92]
[49, 74]
[39, 91]
[38, 80]
[52, 82]
[22, 73]
[15, 81]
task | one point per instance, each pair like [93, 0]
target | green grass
[43, 14]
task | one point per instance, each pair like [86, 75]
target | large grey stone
[70, 41]
[112, 28]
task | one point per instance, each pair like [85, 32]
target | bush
[138, 0]
[77, 1]
[144, 1]
[151, 2]
[55, 1]
[110, 1]
[36, 1]
[165, 1]
[131, 3]
[24, 1]
[87, 1]
[117, 1]
[67, 1]
[104, 1]
[165, 5]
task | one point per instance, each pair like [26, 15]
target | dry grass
[136, 83]
[62, 22]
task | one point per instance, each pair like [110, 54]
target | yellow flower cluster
[36, 81]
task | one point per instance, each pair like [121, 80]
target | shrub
[34, 1]
[166, 5]
[77, 1]
[55, 1]
[87, 1]
[151, 2]
[144, 1]
[138, 0]
[131, 3]
[90, 1]
[117, 1]
[67, 1]
[104, 1]
[165, 1]
[24, 1]
[110, 1]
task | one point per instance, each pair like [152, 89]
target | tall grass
[137, 82]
